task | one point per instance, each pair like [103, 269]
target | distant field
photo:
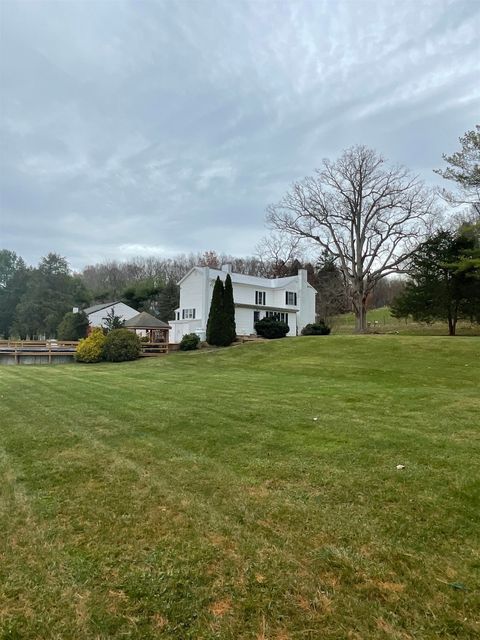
[246, 493]
[386, 323]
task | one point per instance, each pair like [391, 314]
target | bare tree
[366, 215]
[277, 252]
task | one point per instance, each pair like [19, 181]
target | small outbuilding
[97, 315]
[152, 328]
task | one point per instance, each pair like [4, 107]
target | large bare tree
[368, 216]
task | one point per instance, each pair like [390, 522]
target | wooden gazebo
[154, 329]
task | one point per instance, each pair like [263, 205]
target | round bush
[189, 342]
[91, 349]
[271, 328]
[316, 329]
[121, 345]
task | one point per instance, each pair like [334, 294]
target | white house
[291, 299]
[97, 314]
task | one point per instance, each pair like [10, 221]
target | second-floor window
[188, 314]
[291, 297]
[260, 297]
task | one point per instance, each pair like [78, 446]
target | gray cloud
[129, 128]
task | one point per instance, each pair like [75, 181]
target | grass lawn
[386, 323]
[195, 497]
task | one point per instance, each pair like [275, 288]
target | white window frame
[282, 316]
[261, 297]
[291, 298]
[188, 314]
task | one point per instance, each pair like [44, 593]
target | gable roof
[240, 278]
[99, 307]
[145, 320]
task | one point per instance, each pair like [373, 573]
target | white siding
[191, 294]
[121, 310]
[196, 293]
[244, 321]
[181, 328]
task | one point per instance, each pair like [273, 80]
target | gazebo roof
[145, 320]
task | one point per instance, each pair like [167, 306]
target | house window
[188, 314]
[260, 297]
[283, 317]
[256, 316]
[178, 315]
[291, 297]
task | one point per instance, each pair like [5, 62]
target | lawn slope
[196, 497]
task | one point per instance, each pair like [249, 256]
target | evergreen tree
[168, 301]
[229, 311]
[51, 291]
[216, 334]
[112, 322]
[14, 276]
[74, 326]
[439, 288]
[143, 295]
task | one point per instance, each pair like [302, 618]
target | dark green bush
[121, 345]
[316, 329]
[271, 328]
[189, 342]
[74, 326]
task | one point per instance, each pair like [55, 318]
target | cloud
[163, 127]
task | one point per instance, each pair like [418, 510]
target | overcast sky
[149, 127]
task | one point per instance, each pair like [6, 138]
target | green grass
[195, 497]
[386, 323]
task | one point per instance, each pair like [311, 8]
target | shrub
[74, 326]
[91, 349]
[189, 342]
[121, 345]
[271, 328]
[316, 329]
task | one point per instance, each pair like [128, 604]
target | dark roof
[99, 307]
[145, 320]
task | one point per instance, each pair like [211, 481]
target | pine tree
[229, 311]
[215, 324]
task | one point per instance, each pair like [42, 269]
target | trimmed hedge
[316, 329]
[189, 342]
[121, 345]
[271, 328]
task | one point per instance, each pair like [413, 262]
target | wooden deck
[32, 348]
[51, 348]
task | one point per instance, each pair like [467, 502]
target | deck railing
[17, 348]
[48, 348]
[154, 348]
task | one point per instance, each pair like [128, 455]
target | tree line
[36, 300]
[376, 232]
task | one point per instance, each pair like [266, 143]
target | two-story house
[290, 299]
